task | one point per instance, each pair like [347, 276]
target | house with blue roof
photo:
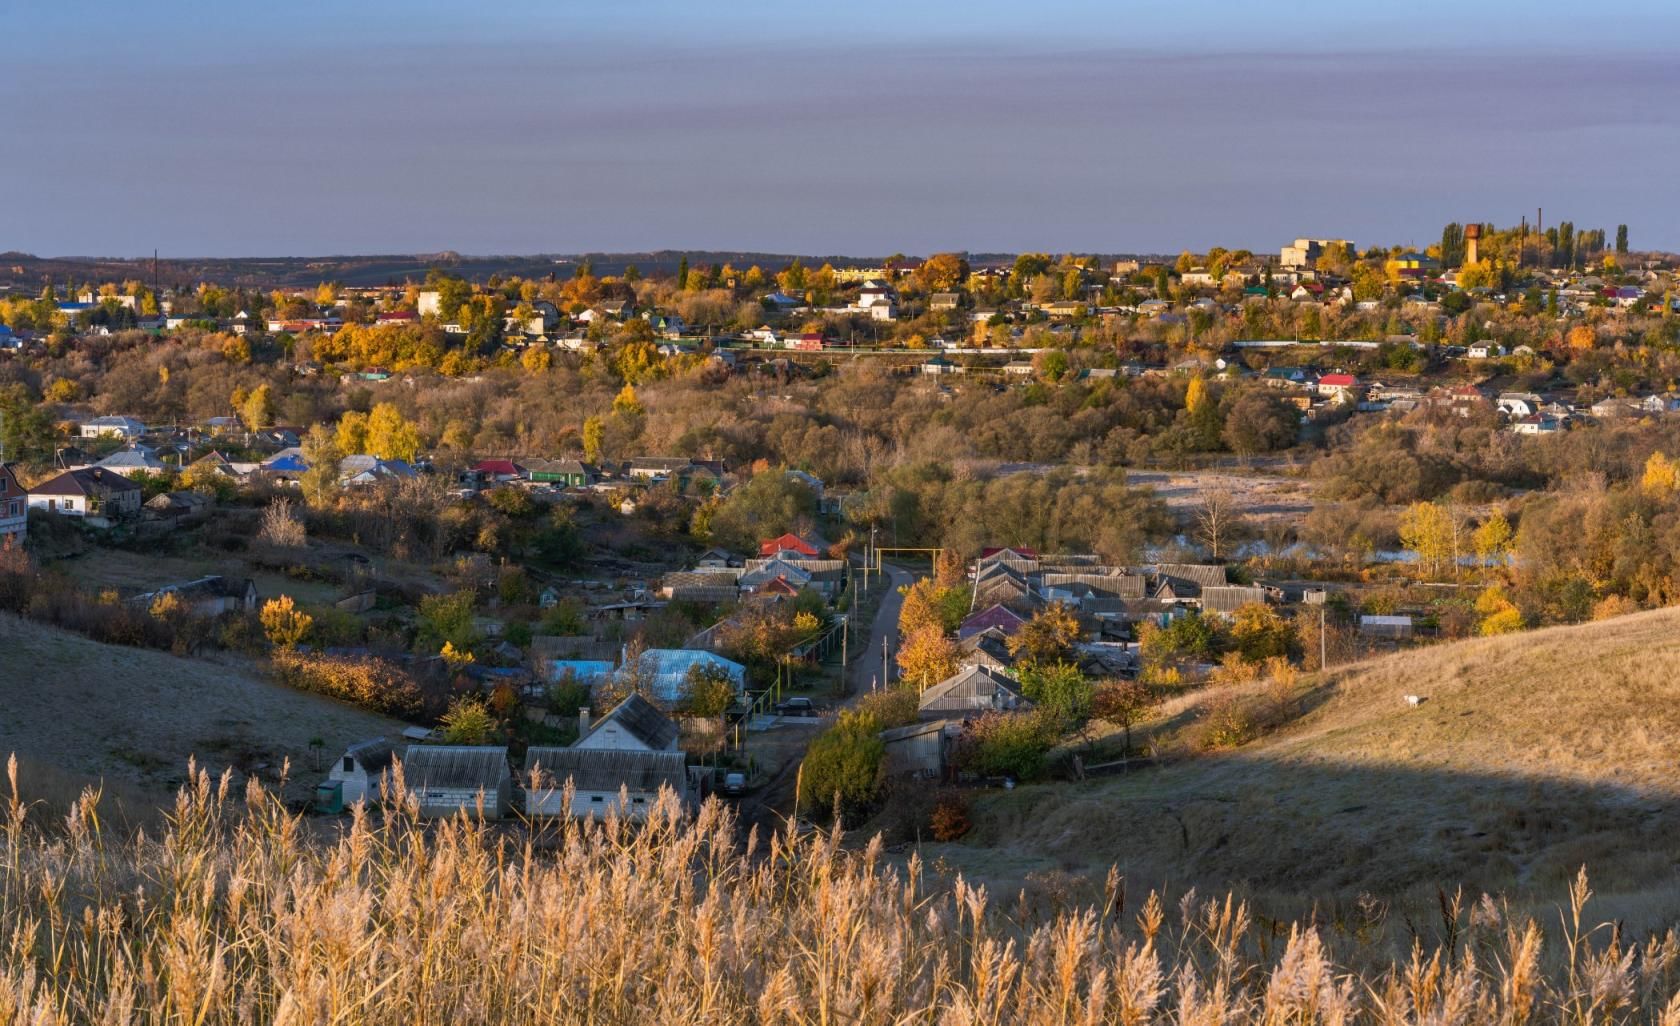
[667, 669]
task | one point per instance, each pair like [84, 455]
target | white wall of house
[608, 736]
[359, 785]
[440, 803]
[585, 804]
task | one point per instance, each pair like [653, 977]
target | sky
[233, 128]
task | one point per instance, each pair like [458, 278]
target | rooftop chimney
[583, 722]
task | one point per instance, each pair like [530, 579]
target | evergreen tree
[682, 273]
[1621, 238]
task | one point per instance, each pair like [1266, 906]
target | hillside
[77, 711]
[1532, 754]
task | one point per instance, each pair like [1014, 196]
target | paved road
[868, 669]
[763, 807]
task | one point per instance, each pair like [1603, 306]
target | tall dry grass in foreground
[235, 915]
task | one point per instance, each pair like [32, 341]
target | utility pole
[886, 671]
[1323, 645]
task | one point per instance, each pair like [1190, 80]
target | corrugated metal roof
[455, 767]
[641, 721]
[603, 769]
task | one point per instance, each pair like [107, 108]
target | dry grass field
[1531, 755]
[77, 711]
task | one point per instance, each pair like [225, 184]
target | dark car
[796, 707]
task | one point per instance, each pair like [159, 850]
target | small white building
[451, 779]
[129, 428]
[361, 771]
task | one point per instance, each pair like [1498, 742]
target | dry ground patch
[133, 717]
[1532, 755]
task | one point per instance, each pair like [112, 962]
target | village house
[359, 774]
[208, 596]
[971, 691]
[1339, 387]
[127, 428]
[14, 508]
[570, 473]
[446, 780]
[100, 497]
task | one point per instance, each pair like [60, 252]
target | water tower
[1472, 240]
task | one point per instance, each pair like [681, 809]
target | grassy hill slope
[76, 711]
[1532, 755]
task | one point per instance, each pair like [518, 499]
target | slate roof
[455, 767]
[642, 721]
[973, 689]
[600, 769]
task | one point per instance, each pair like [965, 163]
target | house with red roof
[1338, 386]
[809, 548]
[498, 470]
[810, 340]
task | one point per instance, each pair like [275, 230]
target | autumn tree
[257, 411]
[1427, 530]
[593, 430]
[626, 402]
[321, 454]
[1499, 614]
[390, 436]
[1582, 338]
[1216, 519]
[1048, 637]
[351, 438]
[283, 623]
[1123, 703]
[1492, 540]
[468, 722]
[1661, 478]
[1259, 633]
[927, 656]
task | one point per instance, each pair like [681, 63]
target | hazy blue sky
[226, 127]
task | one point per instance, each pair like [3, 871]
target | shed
[1228, 598]
[1392, 627]
[920, 749]
[360, 772]
[449, 779]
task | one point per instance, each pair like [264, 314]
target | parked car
[796, 707]
[734, 784]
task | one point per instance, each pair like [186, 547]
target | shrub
[1004, 745]
[283, 623]
[843, 766]
[368, 682]
[950, 817]
[282, 526]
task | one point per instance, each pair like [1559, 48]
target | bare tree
[1216, 520]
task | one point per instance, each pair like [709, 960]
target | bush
[844, 765]
[368, 682]
[950, 817]
[1004, 745]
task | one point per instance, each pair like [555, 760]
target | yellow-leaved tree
[1499, 614]
[927, 657]
[1661, 478]
[390, 436]
[283, 623]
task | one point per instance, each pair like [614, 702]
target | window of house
[349, 764]
[597, 798]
